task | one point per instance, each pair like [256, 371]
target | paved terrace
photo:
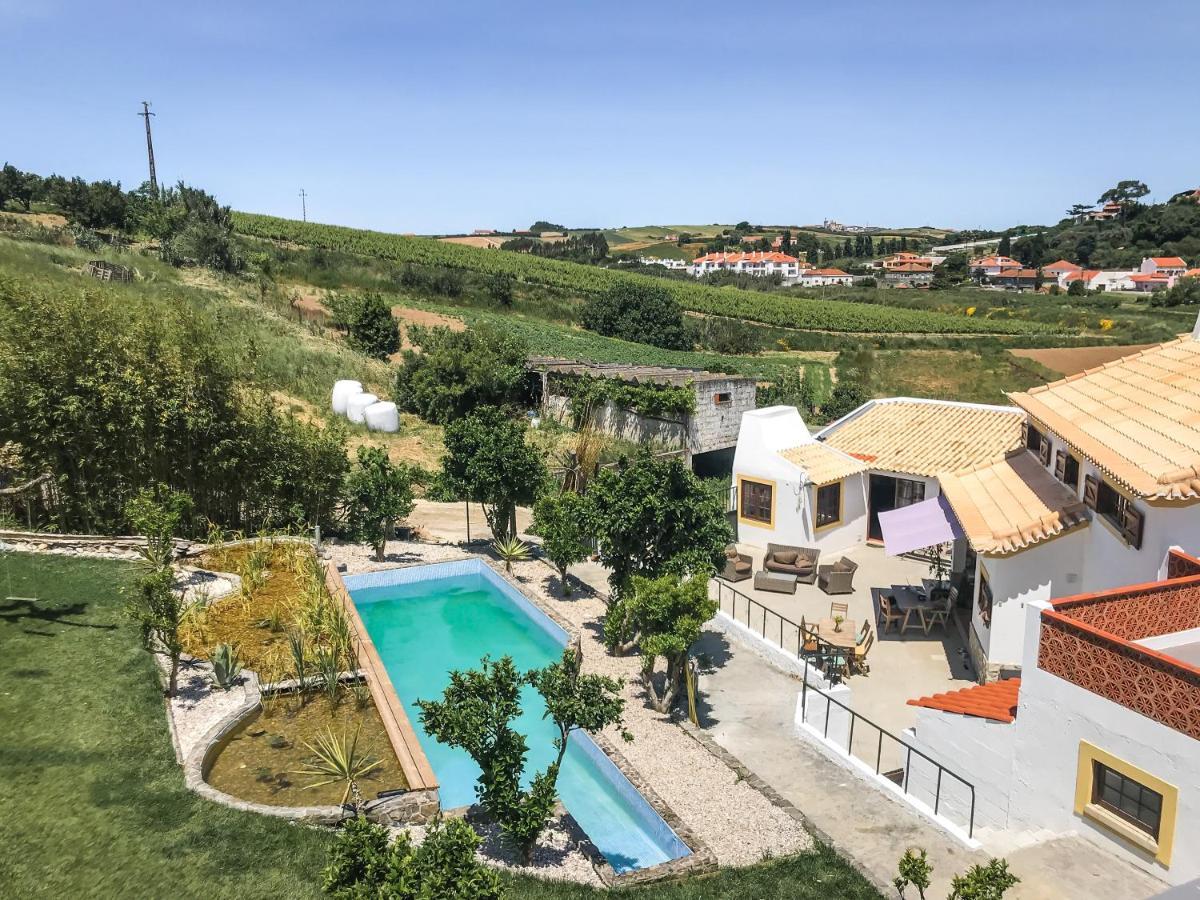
[902, 665]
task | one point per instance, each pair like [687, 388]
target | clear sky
[440, 117]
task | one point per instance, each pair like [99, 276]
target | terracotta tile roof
[1011, 504]
[1061, 266]
[1148, 276]
[758, 256]
[996, 700]
[1136, 418]
[1192, 273]
[832, 273]
[1170, 262]
[823, 464]
[1085, 275]
[926, 437]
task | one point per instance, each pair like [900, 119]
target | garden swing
[6, 550]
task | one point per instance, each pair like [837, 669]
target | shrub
[378, 494]
[558, 517]
[633, 311]
[455, 372]
[915, 870]
[374, 331]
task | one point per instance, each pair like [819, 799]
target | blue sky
[453, 116]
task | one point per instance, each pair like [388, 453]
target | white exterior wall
[1042, 572]
[1053, 716]
[851, 531]
[979, 751]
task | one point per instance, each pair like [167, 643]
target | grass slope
[94, 802]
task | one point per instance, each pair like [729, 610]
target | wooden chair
[839, 609]
[940, 614]
[888, 614]
[860, 653]
[809, 643]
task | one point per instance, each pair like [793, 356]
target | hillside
[791, 311]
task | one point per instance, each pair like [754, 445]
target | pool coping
[701, 859]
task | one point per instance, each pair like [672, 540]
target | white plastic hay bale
[382, 416]
[357, 405]
[343, 391]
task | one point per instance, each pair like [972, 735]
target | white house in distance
[992, 265]
[1082, 486]
[1171, 266]
[760, 262]
[824, 277]
[1100, 736]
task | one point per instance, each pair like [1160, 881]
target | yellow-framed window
[827, 510]
[1127, 801]
[756, 502]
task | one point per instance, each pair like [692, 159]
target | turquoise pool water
[423, 629]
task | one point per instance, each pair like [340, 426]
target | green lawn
[94, 803]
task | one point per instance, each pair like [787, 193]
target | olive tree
[378, 494]
[488, 461]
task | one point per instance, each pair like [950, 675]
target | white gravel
[198, 705]
[739, 824]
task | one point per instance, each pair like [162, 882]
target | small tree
[638, 311]
[664, 617]
[559, 518]
[575, 701]
[654, 516]
[378, 494]
[373, 329]
[488, 461]
[500, 288]
[983, 882]
[363, 865]
[914, 869]
[154, 604]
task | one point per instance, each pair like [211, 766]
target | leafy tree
[653, 516]
[664, 617]
[1078, 210]
[1077, 288]
[373, 330]
[983, 882]
[19, 186]
[455, 372]
[378, 494]
[154, 604]
[577, 702]
[793, 388]
[1005, 248]
[199, 230]
[1125, 193]
[362, 864]
[488, 461]
[641, 312]
[558, 516]
[915, 870]
[501, 287]
[848, 395]
[1186, 292]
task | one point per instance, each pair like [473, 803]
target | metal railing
[728, 497]
[824, 657]
[899, 777]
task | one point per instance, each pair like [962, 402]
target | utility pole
[146, 114]
[303, 205]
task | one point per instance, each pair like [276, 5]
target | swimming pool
[426, 621]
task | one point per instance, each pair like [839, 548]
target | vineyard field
[803, 313]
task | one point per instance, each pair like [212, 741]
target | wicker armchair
[837, 578]
[738, 566]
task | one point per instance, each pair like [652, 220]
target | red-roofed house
[1163, 265]
[823, 277]
[1061, 267]
[1151, 281]
[992, 265]
[1192, 273]
[1099, 737]
[757, 263]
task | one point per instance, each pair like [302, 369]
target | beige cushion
[787, 557]
[731, 552]
[842, 565]
[741, 566]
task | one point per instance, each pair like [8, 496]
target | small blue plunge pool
[428, 620]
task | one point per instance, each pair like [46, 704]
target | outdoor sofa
[837, 578]
[798, 561]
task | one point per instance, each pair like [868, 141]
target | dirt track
[1070, 360]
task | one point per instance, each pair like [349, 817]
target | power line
[303, 205]
[146, 114]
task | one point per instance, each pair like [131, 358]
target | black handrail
[829, 651]
[854, 716]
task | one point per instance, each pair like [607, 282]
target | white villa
[1082, 485]
[757, 263]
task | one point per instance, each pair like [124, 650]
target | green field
[792, 311]
[95, 804]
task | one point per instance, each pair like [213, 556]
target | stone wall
[669, 434]
[714, 426]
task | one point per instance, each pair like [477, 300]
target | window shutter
[1131, 527]
[1091, 489]
[1044, 452]
[1060, 465]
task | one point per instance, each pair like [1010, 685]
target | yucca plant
[329, 664]
[511, 550]
[361, 692]
[227, 666]
[337, 760]
[341, 635]
[298, 645]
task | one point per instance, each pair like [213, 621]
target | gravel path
[198, 705]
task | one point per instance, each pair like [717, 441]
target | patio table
[908, 602]
[846, 639]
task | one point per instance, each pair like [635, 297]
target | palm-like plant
[337, 760]
[511, 550]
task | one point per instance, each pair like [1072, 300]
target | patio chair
[837, 578]
[940, 614]
[861, 650]
[839, 609]
[738, 566]
[810, 645]
[787, 560]
[888, 614]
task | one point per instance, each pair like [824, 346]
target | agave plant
[227, 666]
[337, 760]
[511, 550]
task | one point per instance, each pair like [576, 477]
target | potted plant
[837, 623]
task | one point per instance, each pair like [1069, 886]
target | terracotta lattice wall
[1162, 608]
[1180, 565]
[1143, 681]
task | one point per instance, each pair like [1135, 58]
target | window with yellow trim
[757, 501]
[1126, 801]
[1134, 802]
[829, 504]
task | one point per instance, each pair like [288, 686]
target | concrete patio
[903, 665]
